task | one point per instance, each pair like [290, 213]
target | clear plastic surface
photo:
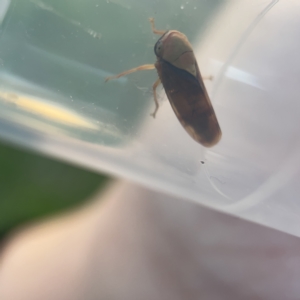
[56, 54]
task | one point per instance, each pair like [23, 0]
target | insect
[179, 74]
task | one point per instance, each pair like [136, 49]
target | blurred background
[33, 187]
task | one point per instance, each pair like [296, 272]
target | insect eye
[158, 48]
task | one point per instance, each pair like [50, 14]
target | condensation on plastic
[56, 54]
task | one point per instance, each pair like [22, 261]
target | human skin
[133, 243]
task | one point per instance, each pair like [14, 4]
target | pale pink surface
[138, 244]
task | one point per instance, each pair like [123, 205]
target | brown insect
[179, 74]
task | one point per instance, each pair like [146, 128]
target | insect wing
[190, 102]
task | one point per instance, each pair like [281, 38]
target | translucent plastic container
[56, 54]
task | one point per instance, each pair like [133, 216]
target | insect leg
[154, 30]
[140, 68]
[155, 85]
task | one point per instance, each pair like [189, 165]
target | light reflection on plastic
[238, 75]
[46, 110]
